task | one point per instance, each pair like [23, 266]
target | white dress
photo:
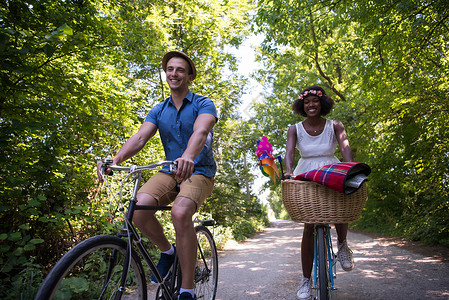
[316, 151]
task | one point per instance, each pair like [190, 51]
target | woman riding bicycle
[316, 139]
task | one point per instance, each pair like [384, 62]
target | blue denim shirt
[176, 127]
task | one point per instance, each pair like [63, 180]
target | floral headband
[306, 93]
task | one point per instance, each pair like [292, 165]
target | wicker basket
[310, 202]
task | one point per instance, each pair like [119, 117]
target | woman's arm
[342, 138]
[290, 150]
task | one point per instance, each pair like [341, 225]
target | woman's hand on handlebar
[287, 176]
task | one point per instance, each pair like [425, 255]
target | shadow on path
[268, 266]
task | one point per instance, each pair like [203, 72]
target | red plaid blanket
[344, 177]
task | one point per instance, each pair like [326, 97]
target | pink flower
[318, 93]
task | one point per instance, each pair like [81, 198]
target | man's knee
[182, 210]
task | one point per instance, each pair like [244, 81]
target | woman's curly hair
[327, 103]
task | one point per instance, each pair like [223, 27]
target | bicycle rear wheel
[323, 274]
[206, 270]
[92, 270]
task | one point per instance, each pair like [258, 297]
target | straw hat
[172, 54]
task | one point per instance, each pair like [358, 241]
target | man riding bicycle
[185, 122]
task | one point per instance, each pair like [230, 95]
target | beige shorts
[162, 187]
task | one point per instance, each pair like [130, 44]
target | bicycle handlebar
[133, 168]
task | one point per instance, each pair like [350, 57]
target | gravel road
[267, 266]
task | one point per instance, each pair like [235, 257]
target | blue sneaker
[164, 265]
[187, 296]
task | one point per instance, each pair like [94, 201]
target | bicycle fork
[331, 257]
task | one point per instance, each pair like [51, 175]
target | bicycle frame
[133, 236]
[331, 257]
[107, 266]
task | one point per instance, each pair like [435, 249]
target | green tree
[77, 79]
[385, 64]
[52, 107]
[232, 203]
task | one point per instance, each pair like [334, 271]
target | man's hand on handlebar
[106, 171]
[185, 168]
[182, 168]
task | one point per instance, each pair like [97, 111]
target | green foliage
[76, 80]
[245, 228]
[276, 204]
[222, 235]
[26, 283]
[385, 65]
[232, 200]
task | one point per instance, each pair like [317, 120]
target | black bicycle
[110, 267]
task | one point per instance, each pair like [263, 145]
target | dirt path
[267, 266]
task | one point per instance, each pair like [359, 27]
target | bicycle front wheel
[92, 270]
[323, 278]
[206, 270]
